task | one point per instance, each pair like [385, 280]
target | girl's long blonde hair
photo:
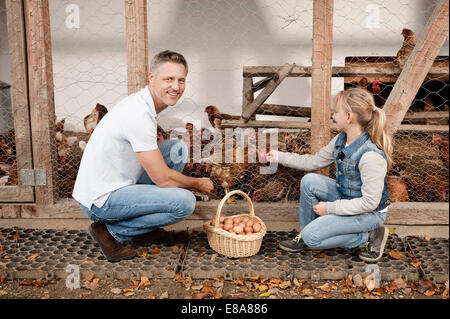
[373, 119]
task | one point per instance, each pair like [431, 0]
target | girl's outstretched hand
[267, 156]
[320, 208]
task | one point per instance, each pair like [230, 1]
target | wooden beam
[270, 87]
[19, 78]
[41, 95]
[321, 76]
[438, 72]
[137, 44]
[417, 66]
[401, 213]
[426, 118]
[307, 125]
[284, 110]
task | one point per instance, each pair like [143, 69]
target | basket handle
[222, 202]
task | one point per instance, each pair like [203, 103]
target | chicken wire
[219, 38]
[8, 162]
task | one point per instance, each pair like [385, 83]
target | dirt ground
[217, 288]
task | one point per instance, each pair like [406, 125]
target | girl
[347, 212]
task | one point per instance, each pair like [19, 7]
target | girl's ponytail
[380, 136]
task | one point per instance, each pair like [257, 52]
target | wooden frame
[18, 58]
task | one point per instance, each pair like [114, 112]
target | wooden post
[18, 62]
[41, 95]
[416, 68]
[321, 75]
[137, 44]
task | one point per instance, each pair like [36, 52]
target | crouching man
[130, 185]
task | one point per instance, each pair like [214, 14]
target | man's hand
[204, 185]
[320, 209]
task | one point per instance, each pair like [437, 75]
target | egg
[221, 219]
[250, 223]
[256, 227]
[242, 224]
[248, 229]
[227, 226]
[238, 229]
[228, 220]
[236, 220]
[221, 226]
[245, 219]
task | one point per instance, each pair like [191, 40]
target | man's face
[167, 84]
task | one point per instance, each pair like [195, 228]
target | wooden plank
[401, 213]
[388, 61]
[41, 95]
[440, 118]
[14, 194]
[321, 76]
[137, 44]
[439, 72]
[270, 87]
[247, 93]
[18, 63]
[417, 66]
[307, 125]
[284, 110]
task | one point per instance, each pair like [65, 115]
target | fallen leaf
[89, 277]
[262, 287]
[26, 282]
[323, 296]
[164, 295]
[307, 292]
[219, 279]
[427, 238]
[396, 254]
[324, 287]
[200, 295]
[416, 263]
[253, 278]
[145, 282]
[151, 296]
[285, 284]
[265, 294]
[239, 282]
[429, 292]
[34, 256]
[16, 236]
[198, 287]
[202, 253]
[156, 251]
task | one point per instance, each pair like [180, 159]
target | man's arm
[163, 176]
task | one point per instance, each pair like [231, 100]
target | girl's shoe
[375, 246]
[293, 245]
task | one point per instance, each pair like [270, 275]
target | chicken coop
[262, 75]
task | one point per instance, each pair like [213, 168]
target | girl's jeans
[331, 231]
[140, 208]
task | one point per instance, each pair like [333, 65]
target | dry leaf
[416, 263]
[156, 251]
[145, 282]
[34, 256]
[265, 294]
[26, 282]
[219, 279]
[197, 287]
[307, 292]
[151, 296]
[164, 295]
[239, 282]
[429, 292]
[253, 278]
[89, 277]
[396, 254]
[285, 284]
[324, 287]
[323, 296]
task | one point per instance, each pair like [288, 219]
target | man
[129, 184]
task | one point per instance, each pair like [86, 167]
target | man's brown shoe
[111, 248]
[162, 236]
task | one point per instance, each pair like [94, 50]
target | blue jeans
[140, 208]
[331, 231]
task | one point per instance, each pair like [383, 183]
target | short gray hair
[167, 56]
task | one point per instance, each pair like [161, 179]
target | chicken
[215, 117]
[273, 190]
[442, 143]
[409, 42]
[427, 187]
[91, 120]
[398, 191]
[226, 174]
[7, 149]
[162, 135]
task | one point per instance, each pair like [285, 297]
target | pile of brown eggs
[239, 225]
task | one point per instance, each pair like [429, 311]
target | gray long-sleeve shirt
[372, 166]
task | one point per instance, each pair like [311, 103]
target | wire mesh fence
[219, 39]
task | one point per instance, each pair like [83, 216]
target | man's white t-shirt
[109, 161]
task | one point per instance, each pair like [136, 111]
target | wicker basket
[230, 244]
